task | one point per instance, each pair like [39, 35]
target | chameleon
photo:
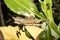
[31, 21]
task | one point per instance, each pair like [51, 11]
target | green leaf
[48, 13]
[23, 7]
[49, 35]
[28, 34]
[54, 27]
[43, 35]
[59, 26]
[46, 35]
[46, 6]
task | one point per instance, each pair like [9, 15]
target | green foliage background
[27, 6]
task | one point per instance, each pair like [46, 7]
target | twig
[1, 15]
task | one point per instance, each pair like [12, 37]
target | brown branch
[1, 15]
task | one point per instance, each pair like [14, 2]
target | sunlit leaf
[24, 7]
[46, 6]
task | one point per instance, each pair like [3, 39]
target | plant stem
[1, 15]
